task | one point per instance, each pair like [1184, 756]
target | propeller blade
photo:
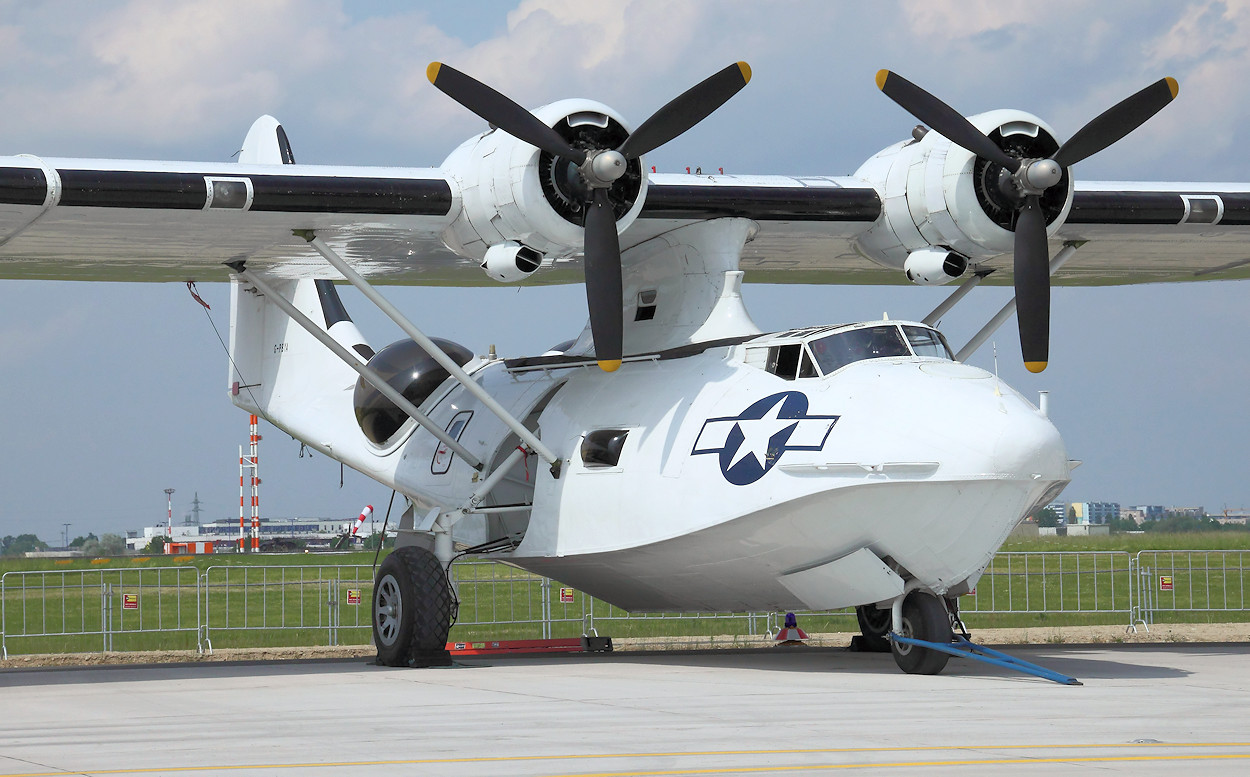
[1032, 271]
[686, 110]
[942, 118]
[1117, 121]
[603, 282]
[500, 111]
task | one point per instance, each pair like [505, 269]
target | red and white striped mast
[248, 465]
[169, 500]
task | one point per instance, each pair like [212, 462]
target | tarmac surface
[1143, 710]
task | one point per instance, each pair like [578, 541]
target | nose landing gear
[922, 640]
[925, 619]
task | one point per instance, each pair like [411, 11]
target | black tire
[411, 609]
[874, 624]
[925, 618]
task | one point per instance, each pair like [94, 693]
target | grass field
[246, 600]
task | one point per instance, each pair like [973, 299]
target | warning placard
[353, 596]
[1165, 582]
[566, 596]
[130, 601]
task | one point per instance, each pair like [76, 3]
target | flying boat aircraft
[671, 456]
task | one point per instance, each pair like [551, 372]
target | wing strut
[956, 296]
[473, 387]
[352, 360]
[1002, 315]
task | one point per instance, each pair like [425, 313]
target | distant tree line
[89, 545]
[22, 543]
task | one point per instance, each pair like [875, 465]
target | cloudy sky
[113, 392]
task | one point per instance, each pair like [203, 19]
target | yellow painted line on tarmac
[731, 770]
[916, 764]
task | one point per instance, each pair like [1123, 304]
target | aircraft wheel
[925, 618]
[411, 609]
[874, 624]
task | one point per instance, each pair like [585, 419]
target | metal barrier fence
[1172, 582]
[274, 599]
[275, 605]
[1087, 582]
[74, 607]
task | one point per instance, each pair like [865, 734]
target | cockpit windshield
[835, 351]
[874, 342]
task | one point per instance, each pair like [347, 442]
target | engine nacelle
[513, 192]
[934, 266]
[935, 193]
[511, 262]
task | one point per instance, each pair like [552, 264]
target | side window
[602, 448]
[783, 360]
[927, 342]
[806, 368]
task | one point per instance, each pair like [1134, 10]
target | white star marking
[757, 433]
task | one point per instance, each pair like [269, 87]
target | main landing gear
[874, 628]
[412, 604]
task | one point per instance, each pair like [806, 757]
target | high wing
[155, 221]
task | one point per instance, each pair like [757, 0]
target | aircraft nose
[979, 424]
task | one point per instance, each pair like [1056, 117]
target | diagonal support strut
[473, 387]
[351, 360]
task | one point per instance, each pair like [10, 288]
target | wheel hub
[388, 609]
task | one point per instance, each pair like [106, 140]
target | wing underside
[64, 219]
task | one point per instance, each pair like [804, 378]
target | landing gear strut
[412, 605]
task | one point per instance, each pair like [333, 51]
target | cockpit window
[783, 360]
[874, 342]
[807, 369]
[927, 342]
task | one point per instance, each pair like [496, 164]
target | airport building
[224, 533]
[1093, 513]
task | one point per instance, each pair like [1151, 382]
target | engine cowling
[935, 193]
[511, 192]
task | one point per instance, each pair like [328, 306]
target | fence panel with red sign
[1179, 586]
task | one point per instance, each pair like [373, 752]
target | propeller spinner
[598, 170]
[1024, 181]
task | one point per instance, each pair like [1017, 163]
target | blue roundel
[750, 443]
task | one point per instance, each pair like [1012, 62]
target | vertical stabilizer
[266, 144]
[282, 373]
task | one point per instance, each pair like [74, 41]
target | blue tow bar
[962, 647]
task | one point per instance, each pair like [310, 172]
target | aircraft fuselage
[743, 477]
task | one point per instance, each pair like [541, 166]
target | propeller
[598, 170]
[1024, 181]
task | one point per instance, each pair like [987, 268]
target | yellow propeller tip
[1173, 87]
[431, 72]
[881, 76]
[1035, 366]
[609, 365]
[746, 72]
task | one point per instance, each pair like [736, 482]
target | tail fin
[282, 373]
[266, 144]
[278, 370]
